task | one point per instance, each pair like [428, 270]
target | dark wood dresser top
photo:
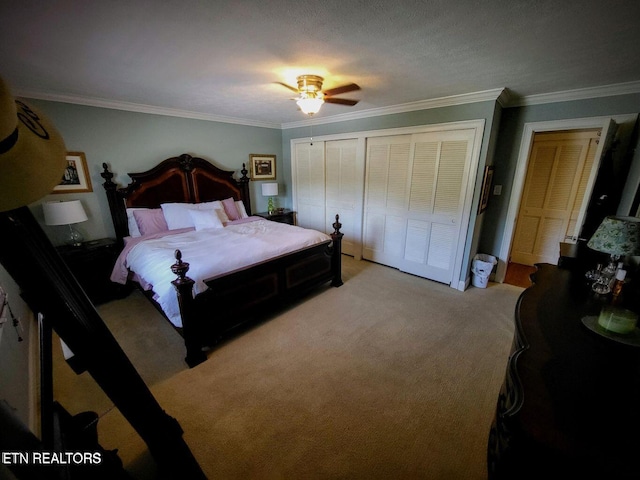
[570, 403]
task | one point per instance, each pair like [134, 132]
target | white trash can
[481, 269]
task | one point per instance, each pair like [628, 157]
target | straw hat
[32, 153]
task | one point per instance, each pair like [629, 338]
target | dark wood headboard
[184, 179]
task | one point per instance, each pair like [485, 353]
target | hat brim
[34, 164]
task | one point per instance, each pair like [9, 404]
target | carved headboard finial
[186, 162]
[107, 175]
[244, 172]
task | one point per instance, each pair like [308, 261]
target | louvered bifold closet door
[386, 198]
[415, 200]
[342, 192]
[310, 186]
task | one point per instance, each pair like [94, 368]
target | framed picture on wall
[486, 188]
[263, 167]
[76, 177]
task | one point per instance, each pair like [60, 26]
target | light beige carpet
[388, 376]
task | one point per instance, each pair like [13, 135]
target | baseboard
[464, 284]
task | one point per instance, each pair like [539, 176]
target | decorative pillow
[215, 205]
[230, 209]
[177, 215]
[150, 221]
[131, 221]
[241, 210]
[203, 219]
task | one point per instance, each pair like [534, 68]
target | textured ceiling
[223, 58]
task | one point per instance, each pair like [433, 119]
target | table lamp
[270, 190]
[617, 236]
[66, 213]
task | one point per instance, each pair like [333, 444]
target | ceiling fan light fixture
[310, 104]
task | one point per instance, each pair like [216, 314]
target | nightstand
[287, 216]
[91, 263]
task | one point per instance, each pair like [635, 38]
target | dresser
[569, 406]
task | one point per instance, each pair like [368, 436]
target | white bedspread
[209, 253]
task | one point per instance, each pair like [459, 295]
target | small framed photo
[76, 177]
[486, 188]
[263, 167]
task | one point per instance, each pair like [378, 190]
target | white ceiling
[220, 60]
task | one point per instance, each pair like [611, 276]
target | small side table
[91, 263]
[286, 216]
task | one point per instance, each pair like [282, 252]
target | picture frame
[262, 167]
[76, 177]
[486, 188]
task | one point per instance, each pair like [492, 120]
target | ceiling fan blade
[293, 89]
[351, 87]
[341, 101]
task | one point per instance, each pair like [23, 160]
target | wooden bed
[237, 296]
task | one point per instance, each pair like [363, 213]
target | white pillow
[215, 205]
[241, 210]
[203, 219]
[177, 215]
[209, 205]
[134, 231]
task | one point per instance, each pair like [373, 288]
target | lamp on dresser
[617, 236]
[66, 213]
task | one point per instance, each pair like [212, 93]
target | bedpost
[244, 188]
[116, 205]
[184, 289]
[336, 255]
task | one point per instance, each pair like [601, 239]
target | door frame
[526, 144]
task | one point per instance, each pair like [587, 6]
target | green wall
[135, 142]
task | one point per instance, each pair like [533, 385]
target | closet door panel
[310, 185]
[417, 240]
[343, 194]
[386, 198]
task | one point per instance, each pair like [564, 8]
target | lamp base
[75, 238]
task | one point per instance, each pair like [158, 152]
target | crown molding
[501, 95]
[577, 94]
[483, 96]
[141, 108]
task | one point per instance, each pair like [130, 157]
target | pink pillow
[150, 221]
[230, 209]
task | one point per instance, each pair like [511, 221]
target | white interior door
[560, 167]
[414, 200]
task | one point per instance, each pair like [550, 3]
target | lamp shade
[617, 236]
[309, 104]
[63, 213]
[269, 189]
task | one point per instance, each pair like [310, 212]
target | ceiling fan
[311, 96]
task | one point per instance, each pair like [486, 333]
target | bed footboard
[232, 298]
